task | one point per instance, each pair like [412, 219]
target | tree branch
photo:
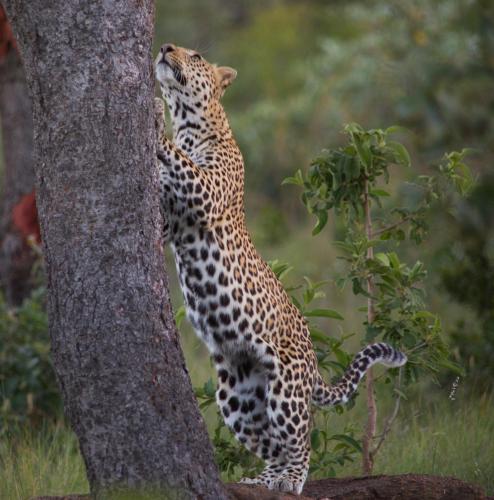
[370, 430]
[392, 226]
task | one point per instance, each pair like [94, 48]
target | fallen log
[401, 487]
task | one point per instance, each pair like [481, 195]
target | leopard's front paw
[279, 483]
[255, 480]
[288, 485]
[159, 119]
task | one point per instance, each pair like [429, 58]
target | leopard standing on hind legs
[260, 343]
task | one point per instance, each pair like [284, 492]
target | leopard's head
[185, 75]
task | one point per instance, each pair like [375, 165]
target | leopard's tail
[325, 395]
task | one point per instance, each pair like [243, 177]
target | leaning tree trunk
[18, 218]
[115, 348]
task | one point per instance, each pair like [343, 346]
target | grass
[47, 462]
[435, 435]
[453, 438]
[441, 437]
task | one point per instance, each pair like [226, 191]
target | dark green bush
[468, 277]
[28, 389]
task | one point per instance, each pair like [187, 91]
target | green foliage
[28, 389]
[233, 459]
[331, 450]
[349, 179]
[345, 179]
[337, 178]
[425, 64]
[468, 277]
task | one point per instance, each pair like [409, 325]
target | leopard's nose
[167, 47]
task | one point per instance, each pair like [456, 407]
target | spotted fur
[260, 343]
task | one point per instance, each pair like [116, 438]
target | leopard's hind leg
[280, 427]
[242, 396]
[289, 415]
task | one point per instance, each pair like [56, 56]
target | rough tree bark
[17, 208]
[115, 348]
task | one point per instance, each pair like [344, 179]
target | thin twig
[390, 419]
[392, 226]
[418, 346]
[370, 430]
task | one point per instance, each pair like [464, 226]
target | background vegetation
[305, 69]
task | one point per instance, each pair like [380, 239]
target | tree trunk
[18, 217]
[115, 349]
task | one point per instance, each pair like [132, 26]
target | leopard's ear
[225, 76]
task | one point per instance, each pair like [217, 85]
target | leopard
[259, 341]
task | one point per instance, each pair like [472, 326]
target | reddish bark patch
[7, 41]
[25, 217]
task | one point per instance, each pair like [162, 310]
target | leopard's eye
[196, 57]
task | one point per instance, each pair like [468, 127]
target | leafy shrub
[349, 180]
[28, 389]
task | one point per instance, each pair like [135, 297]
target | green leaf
[297, 179]
[352, 166]
[342, 357]
[450, 365]
[425, 315]
[383, 259]
[363, 152]
[343, 246]
[318, 336]
[357, 288]
[393, 129]
[394, 260]
[323, 313]
[205, 404]
[401, 394]
[180, 315]
[340, 283]
[315, 440]
[371, 332]
[322, 219]
[280, 269]
[344, 438]
[400, 152]
[379, 192]
[209, 388]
